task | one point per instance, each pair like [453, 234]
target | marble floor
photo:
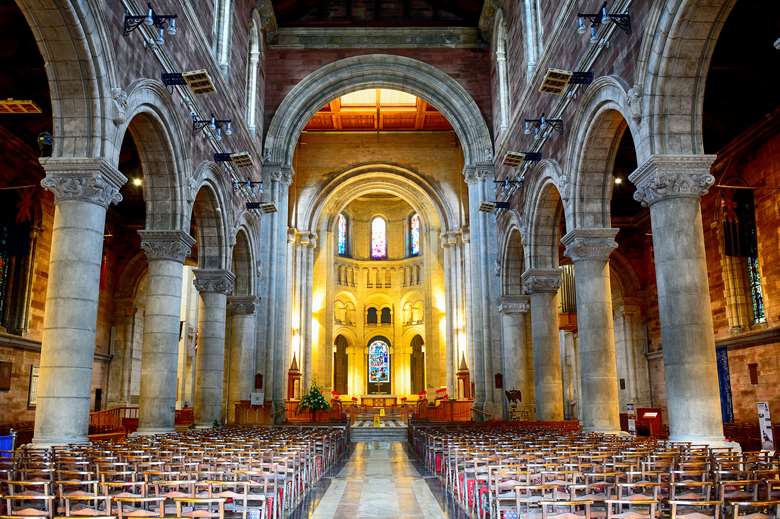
[379, 480]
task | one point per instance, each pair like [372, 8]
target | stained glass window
[414, 235]
[378, 238]
[342, 235]
[756, 294]
[378, 362]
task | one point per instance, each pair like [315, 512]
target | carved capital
[166, 245]
[241, 305]
[479, 173]
[83, 179]
[514, 305]
[672, 176]
[541, 280]
[590, 244]
[282, 175]
[214, 280]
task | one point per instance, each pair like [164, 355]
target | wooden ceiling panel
[389, 111]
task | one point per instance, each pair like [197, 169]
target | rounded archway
[378, 71]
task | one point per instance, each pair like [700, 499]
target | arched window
[414, 235]
[342, 231]
[386, 317]
[223, 12]
[251, 78]
[378, 238]
[372, 316]
[533, 32]
[501, 74]
[16, 255]
[378, 362]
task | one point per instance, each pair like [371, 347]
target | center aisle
[378, 480]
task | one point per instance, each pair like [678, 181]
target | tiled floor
[379, 480]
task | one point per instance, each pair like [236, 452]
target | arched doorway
[379, 366]
[340, 365]
[417, 365]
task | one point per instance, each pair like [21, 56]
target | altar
[379, 401]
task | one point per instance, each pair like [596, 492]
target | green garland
[313, 400]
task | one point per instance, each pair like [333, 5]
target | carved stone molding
[541, 280]
[672, 176]
[82, 179]
[590, 244]
[514, 305]
[282, 175]
[479, 173]
[166, 245]
[214, 280]
[242, 305]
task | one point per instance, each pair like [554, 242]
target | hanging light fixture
[217, 126]
[537, 126]
[152, 19]
[622, 21]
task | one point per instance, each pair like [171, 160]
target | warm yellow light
[317, 300]
[618, 180]
[137, 182]
[438, 301]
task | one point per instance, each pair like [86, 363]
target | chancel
[478, 258]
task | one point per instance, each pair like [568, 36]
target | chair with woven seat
[200, 507]
[140, 506]
[579, 509]
[755, 509]
[685, 509]
[632, 509]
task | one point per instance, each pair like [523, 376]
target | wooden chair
[200, 507]
[140, 506]
[695, 509]
[627, 509]
[579, 509]
[759, 509]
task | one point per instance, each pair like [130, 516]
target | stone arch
[208, 217]
[599, 125]
[544, 208]
[434, 206]
[78, 62]
[152, 124]
[512, 263]
[623, 274]
[680, 37]
[132, 276]
[378, 71]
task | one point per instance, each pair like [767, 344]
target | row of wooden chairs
[505, 472]
[255, 473]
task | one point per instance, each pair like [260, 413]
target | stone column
[165, 252]
[83, 188]
[241, 381]
[589, 249]
[214, 287]
[482, 259]
[671, 185]
[518, 361]
[542, 285]
[121, 353]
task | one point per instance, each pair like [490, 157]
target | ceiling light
[623, 21]
[138, 182]
[618, 180]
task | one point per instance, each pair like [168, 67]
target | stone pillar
[518, 361]
[542, 285]
[589, 249]
[671, 185]
[241, 380]
[165, 252]
[121, 353]
[83, 188]
[482, 259]
[214, 287]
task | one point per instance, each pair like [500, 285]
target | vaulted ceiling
[377, 13]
